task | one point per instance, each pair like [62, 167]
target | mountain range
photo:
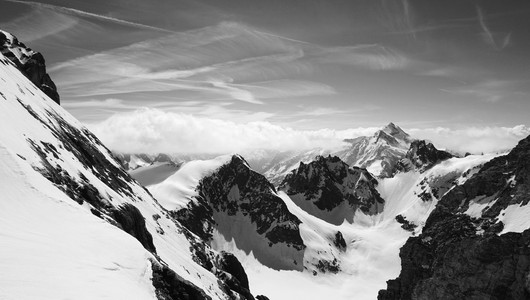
[387, 216]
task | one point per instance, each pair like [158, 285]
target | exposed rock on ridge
[421, 156]
[460, 255]
[240, 203]
[329, 189]
[29, 62]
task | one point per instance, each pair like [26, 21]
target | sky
[224, 75]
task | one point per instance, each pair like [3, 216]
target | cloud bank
[474, 139]
[153, 131]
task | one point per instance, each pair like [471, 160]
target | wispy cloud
[372, 57]
[72, 11]
[228, 61]
[497, 41]
[39, 23]
[488, 90]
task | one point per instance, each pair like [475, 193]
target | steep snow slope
[46, 142]
[50, 248]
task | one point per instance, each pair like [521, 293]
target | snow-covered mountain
[348, 225]
[75, 225]
[378, 154]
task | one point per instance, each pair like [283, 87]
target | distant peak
[393, 129]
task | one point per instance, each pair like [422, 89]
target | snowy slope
[57, 160]
[355, 266]
[50, 248]
[414, 194]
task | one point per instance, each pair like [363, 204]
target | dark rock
[237, 280]
[339, 241]
[32, 66]
[460, 257]
[421, 156]
[236, 191]
[326, 183]
[230, 264]
[326, 266]
[170, 286]
[131, 221]
[405, 224]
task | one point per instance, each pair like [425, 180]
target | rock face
[329, 189]
[379, 153]
[29, 62]
[461, 253]
[240, 204]
[130, 219]
[421, 156]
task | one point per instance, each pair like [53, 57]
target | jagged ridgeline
[101, 233]
[29, 62]
[329, 189]
[316, 224]
[476, 243]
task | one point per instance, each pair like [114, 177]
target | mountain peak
[394, 130]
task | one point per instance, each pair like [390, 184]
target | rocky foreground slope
[76, 220]
[476, 243]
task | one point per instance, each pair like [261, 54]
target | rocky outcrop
[339, 241]
[29, 62]
[236, 277]
[170, 286]
[329, 189]
[130, 220]
[421, 156]
[242, 205]
[462, 256]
